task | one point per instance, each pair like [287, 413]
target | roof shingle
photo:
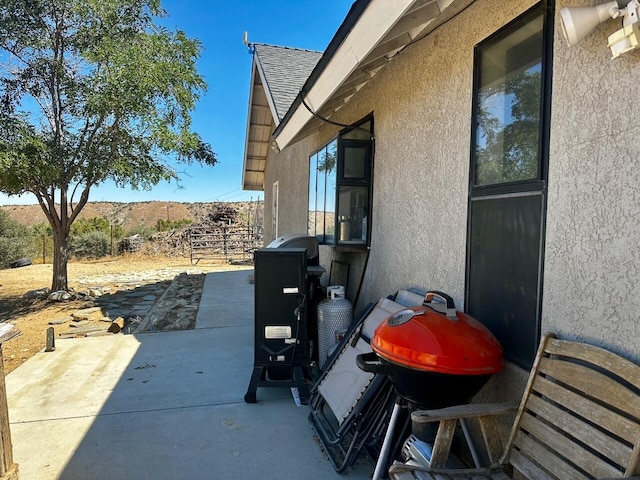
[285, 71]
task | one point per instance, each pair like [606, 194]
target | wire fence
[228, 243]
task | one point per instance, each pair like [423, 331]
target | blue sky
[220, 116]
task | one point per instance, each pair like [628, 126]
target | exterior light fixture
[579, 22]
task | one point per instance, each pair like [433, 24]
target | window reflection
[322, 192]
[508, 107]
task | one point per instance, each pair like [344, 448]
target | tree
[509, 129]
[92, 90]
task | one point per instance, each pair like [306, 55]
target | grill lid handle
[371, 363]
[444, 298]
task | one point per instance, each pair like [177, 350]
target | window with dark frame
[340, 175]
[507, 200]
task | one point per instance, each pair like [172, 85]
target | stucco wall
[592, 272]
[422, 109]
[291, 169]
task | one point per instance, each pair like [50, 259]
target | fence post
[224, 238]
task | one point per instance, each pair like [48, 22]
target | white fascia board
[267, 91]
[246, 135]
[377, 19]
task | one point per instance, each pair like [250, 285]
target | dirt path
[32, 317]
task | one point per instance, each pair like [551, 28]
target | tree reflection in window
[508, 108]
[322, 192]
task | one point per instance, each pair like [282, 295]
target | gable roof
[371, 35]
[277, 75]
[284, 70]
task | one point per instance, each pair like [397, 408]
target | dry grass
[32, 317]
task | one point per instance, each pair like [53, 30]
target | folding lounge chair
[350, 407]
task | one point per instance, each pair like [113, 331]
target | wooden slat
[422, 472]
[593, 384]
[533, 454]
[589, 409]
[527, 391]
[567, 448]
[599, 356]
[462, 411]
[633, 468]
[528, 469]
[564, 420]
[442, 445]
[491, 437]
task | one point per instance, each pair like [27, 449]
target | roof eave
[252, 177]
[343, 31]
[373, 32]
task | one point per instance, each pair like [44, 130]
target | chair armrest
[463, 411]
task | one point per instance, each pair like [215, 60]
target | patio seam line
[129, 412]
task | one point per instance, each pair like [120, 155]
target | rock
[85, 313]
[79, 323]
[179, 324]
[94, 292]
[59, 296]
[39, 293]
[58, 321]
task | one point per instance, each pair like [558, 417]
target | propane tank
[334, 313]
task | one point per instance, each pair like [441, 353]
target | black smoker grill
[286, 280]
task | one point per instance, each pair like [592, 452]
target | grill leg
[378, 473]
[250, 396]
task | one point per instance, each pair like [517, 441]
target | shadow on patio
[162, 405]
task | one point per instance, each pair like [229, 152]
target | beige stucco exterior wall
[422, 111]
[592, 272]
[290, 168]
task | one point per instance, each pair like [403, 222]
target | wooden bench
[579, 419]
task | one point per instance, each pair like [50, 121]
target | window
[507, 201]
[322, 192]
[340, 188]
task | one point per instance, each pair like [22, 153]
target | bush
[89, 245]
[166, 225]
[16, 240]
[96, 224]
[143, 230]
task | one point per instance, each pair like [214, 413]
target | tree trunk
[60, 258]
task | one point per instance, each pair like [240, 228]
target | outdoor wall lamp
[578, 22]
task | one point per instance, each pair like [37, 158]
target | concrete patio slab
[163, 405]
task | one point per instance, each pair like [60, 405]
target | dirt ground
[32, 317]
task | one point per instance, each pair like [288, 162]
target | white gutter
[374, 23]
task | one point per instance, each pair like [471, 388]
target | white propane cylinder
[334, 313]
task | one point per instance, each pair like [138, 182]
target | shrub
[166, 225]
[143, 230]
[16, 240]
[96, 224]
[89, 245]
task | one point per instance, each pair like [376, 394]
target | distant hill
[131, 215]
